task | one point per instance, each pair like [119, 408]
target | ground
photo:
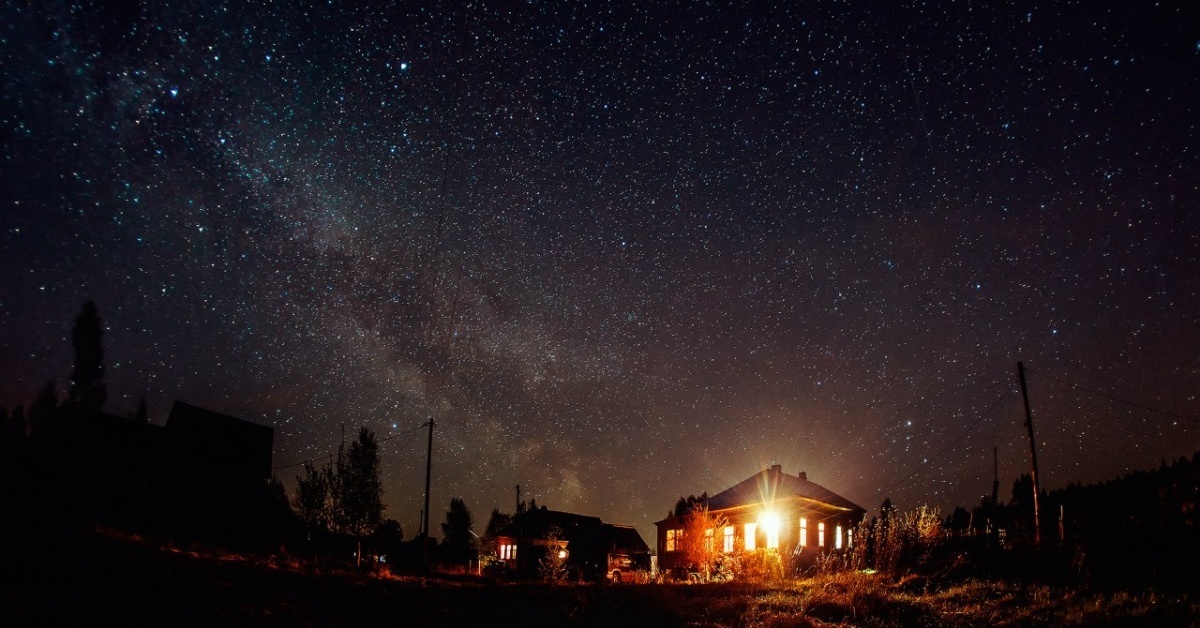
[100, 577]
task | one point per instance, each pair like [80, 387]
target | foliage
[314, 497]
[687, 504]
[359, 492]
[281, 521]
[702, 537]
[488, 553]
[88, 391]
[553, 566]
[387, 539]
[346, 496]
[458, 543]
[496, 522]
[758, 566]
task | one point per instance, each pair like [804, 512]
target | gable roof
[575, 528]
[220, 439]
[773, 484]
[538, 522]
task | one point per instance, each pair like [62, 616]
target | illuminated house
[770, 510]
[591, 549]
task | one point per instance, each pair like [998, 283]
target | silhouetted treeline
[1136, 530]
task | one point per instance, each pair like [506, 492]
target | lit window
[508, 552]
[821, 534]
[837, 539]
[709, 540]
[803, 532]
[729, 531]
[750, 531]
[771, 524]
[673, 539]
[849, 538]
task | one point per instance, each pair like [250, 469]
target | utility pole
[518, 509]
[428, 472]
[995, 475]
[1037, 520]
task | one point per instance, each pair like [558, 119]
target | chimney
[803, 476]
[776, 469]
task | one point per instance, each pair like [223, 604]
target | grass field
[86, 578]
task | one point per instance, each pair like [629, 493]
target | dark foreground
[83, 578]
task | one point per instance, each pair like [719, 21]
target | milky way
[619, 253]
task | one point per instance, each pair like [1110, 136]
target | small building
[221, 465]
[202, 476]
[590, 548]
[770, 510]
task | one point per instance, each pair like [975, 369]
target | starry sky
[619, 251]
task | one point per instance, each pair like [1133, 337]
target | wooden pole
[1037, 520]
[428, 472]
[995, 475]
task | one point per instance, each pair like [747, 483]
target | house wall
[790, 530]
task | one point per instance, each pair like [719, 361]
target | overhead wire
[1112, 398]
[330, 454]
[983, 416]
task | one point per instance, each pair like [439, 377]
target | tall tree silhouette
[87, 380]
[459, 544]
[359, 494]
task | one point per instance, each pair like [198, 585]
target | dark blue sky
[619, 253]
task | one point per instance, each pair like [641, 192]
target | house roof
[221, 439]
[537, 522]
[773, 484]
[574, 528]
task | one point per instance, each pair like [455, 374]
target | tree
[553, 566]
[314, 500]
[685, 505]
[496, 522]
[281, 521]
[703, 536]
[387, 539]
[457, 541]
[345, 497]
[88, 391]
[359, 494]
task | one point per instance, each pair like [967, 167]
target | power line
[330, 455]
[1112, 397]
[947, 448]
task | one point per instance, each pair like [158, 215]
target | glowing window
[803, 532]
[821, 534]
[729, 532]
[750, 531]
[673, 539]
[849, 538]
[708, 541]
[771, 525]
[508, 552]
[837, 539]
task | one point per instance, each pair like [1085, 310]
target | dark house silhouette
[202, 476]
[593, 550]
[220, 465]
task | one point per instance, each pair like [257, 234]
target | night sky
[620, 252]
